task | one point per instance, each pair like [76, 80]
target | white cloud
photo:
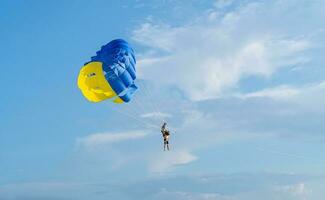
[166, 161]
[208, 57]
[205, 187]
[107, 138]
[286, 92]
[47, 190]
[157, 115]
[280, 92]
[298, 190]
[167, 194]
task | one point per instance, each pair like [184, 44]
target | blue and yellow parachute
[110, 74]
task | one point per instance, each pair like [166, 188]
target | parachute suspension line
[131, 111]
[97, 84]
[134, 112]
[145, 124]
[156, 105]
[145, 99]
[159, 115]
[141, 108]
[139, 105]
[137, 112]
[151, 107]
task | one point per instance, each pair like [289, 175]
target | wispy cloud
[208, 57]
[298, 190]
[158, 115]
[167, 161]
[286, 92]
[107, 138]
[243, 186]
[280, 92]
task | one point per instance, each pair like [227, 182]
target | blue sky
[240, 83]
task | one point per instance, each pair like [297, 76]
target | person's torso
[166, 135]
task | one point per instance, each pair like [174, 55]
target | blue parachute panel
[119, 67]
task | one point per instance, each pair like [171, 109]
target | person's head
[164, 124]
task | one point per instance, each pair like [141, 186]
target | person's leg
[167, 145]
[164, 145]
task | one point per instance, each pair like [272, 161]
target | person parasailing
[165, 134]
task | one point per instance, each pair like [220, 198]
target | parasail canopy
[110, 74]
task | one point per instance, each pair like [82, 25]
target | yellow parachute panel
[93, 85]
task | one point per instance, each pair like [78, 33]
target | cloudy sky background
[240, 83]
